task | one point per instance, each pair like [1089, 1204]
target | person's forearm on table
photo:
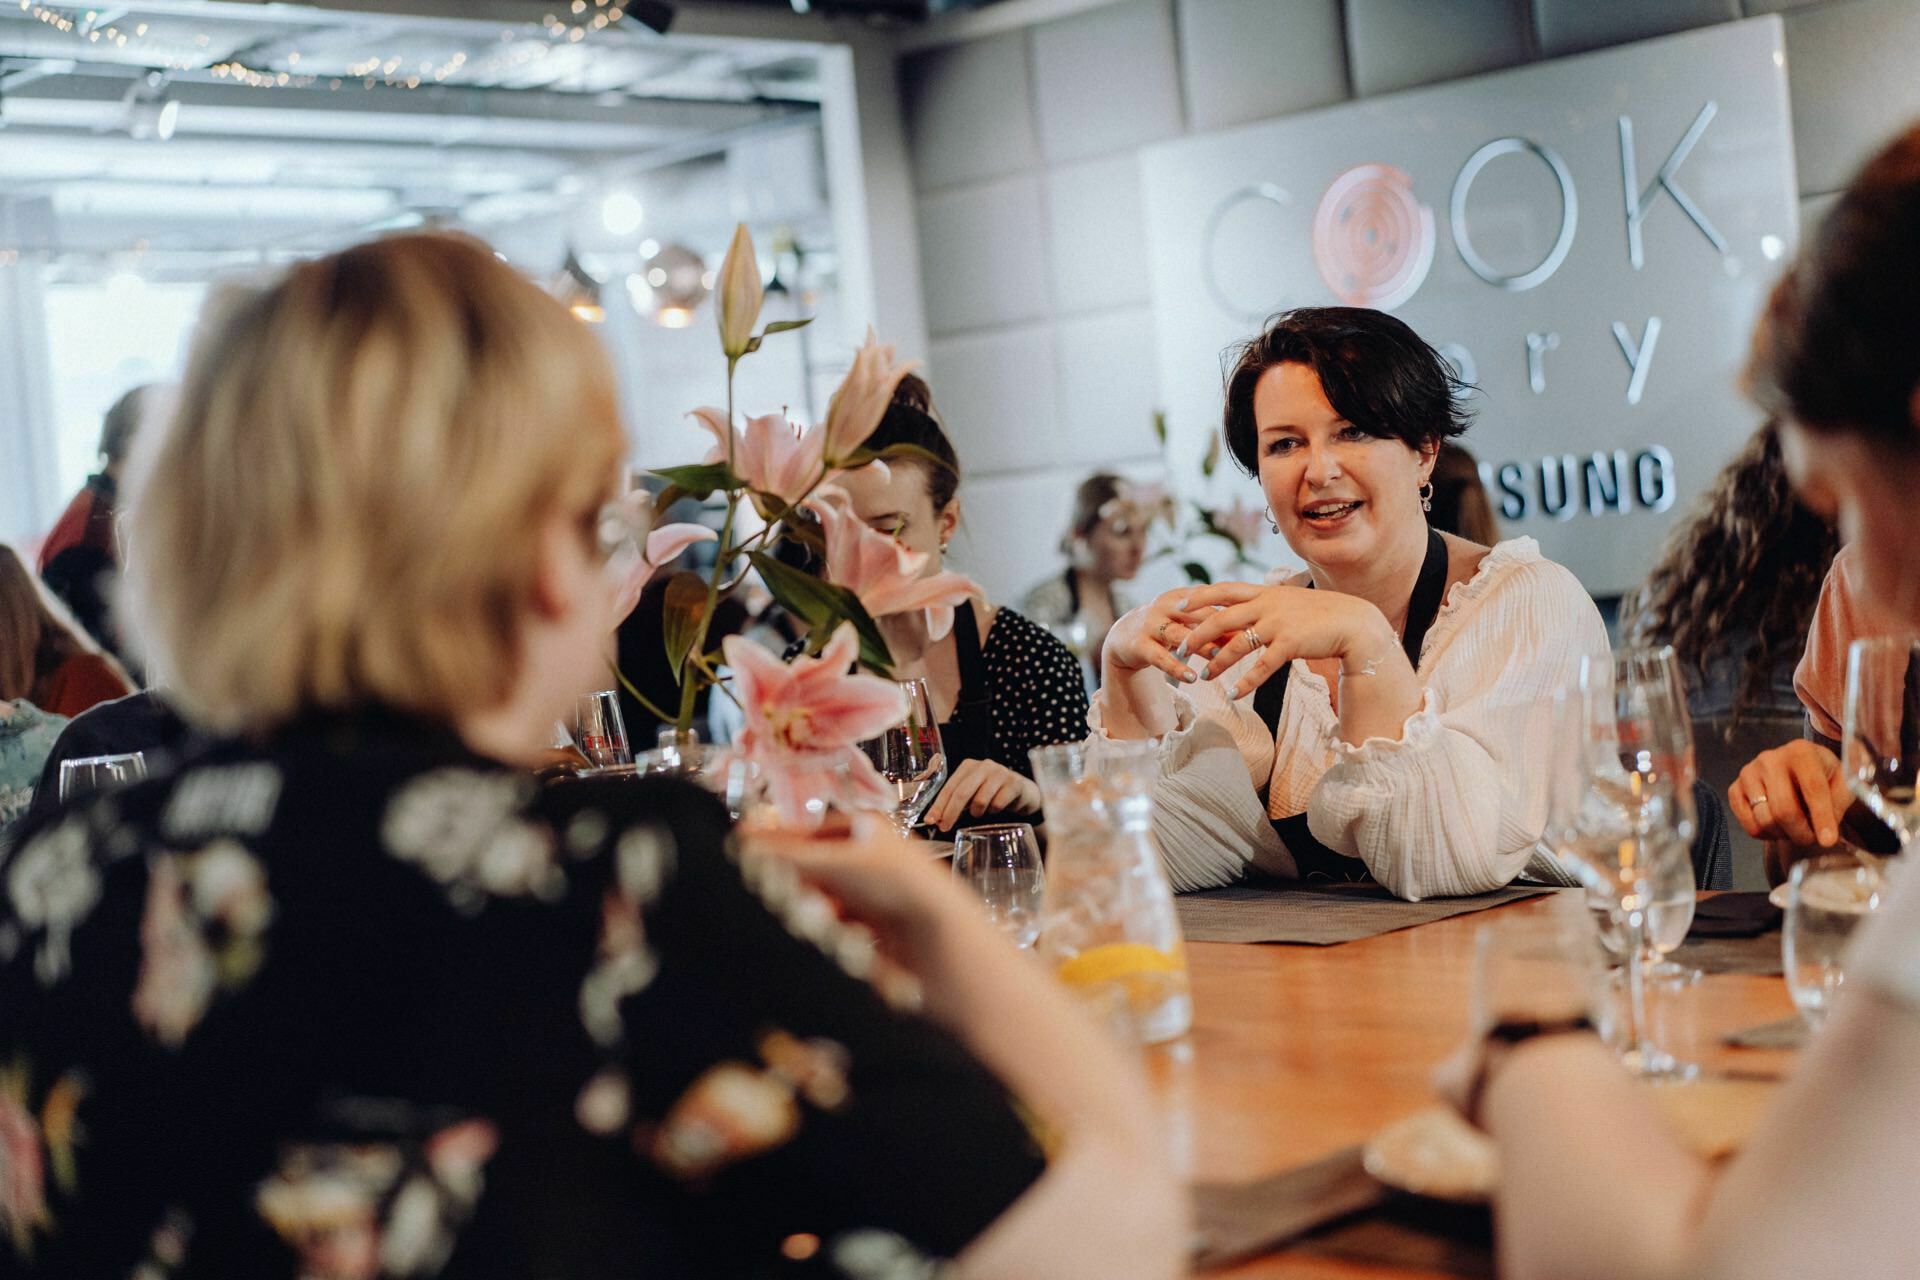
[1591, 1181]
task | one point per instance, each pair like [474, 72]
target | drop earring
[1426, 495]
[1267, 514]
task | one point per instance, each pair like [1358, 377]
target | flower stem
[692, 669]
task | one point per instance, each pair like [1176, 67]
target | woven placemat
[1320, 915]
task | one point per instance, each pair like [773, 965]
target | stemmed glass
[1620, 802]
[1001, 861]
[602, 730]
[910, 757]
[1880, 745]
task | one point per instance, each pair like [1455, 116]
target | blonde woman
[45, 657]
[345, 994]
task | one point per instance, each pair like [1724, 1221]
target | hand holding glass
[910, 757]
[1880, 746]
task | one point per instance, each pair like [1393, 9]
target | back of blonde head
[347, 503]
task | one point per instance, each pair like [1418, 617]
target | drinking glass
[87, 774]
[1108, 919]
[1001, 861]
[602, 732]
[1827, 898]
[1880, 745]
[909, 756]
[1620, 808]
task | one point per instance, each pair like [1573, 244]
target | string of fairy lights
[583, 19]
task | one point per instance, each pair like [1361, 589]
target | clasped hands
[1227, 621]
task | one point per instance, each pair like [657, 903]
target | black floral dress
[359, 1003]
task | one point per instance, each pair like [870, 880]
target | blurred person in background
[27, 736]
[1734, 593]
[44, 656]
[344, 992]
[1459, 504]
[1106, 543]
[80, 559]
[1001, 684]
[1824, 1185]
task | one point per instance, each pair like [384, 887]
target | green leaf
[701, 479]
[1160, 427]
[823, 606]
[784, 326]
[664, 500]
[911, 452]
[753, 345]
[682, 612]
[1197, 572]
[1211, 462]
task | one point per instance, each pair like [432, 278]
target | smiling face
[895, 500]
[1343, 498]
[1867, 490]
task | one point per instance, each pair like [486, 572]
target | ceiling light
[622, 213]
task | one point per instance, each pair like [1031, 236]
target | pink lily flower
[776, 458]
[863, 396]
[805, 721]
[886, 576]
[639, 549]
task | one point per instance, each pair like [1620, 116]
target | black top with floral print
[360, 1003]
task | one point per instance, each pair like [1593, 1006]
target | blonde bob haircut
[349, 501]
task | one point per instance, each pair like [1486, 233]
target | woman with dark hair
[1105, 544]
[1460, 503]
[1824, 1185]
[1734, 594]
[1001, 684]
[1371, 718]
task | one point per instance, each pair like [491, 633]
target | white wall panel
[969, 111]
[1245, 60]
[1574, 26]
[982, 260]
[995, 393]
[1109, 387]
[1853, 74]
[1094, 235]
[1396, 44]
[1106, 80]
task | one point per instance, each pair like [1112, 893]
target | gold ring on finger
[1254, 642]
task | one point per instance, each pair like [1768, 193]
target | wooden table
[1297, 1052]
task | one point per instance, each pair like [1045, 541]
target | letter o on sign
[1569, 213]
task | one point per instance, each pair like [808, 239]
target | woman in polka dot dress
[1001, 683]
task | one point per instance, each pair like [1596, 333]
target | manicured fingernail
[1181, 652]
[1184, 602]
[1232, 692]
[1189, 675]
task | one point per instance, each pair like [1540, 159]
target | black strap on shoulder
[1314, 860]
[1073, 593]
[975, 689]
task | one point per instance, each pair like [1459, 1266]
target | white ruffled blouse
[1450, 807]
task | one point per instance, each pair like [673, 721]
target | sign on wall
[1588, 241]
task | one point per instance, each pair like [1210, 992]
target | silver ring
[1254, 642]
[1755, 802]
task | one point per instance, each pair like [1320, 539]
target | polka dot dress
[1036, 695]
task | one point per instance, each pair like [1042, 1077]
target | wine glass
[1880, 744]
[602, 730]
[1620, 801]
[910, 757]
[84, 775]
[1001, 862]
[1827, 898]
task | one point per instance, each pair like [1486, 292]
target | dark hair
[910, 420]
[1377, 374]
[1460, 503]
[1839, 345]
[1744, 570]
[1094, 493]
[122, 420]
